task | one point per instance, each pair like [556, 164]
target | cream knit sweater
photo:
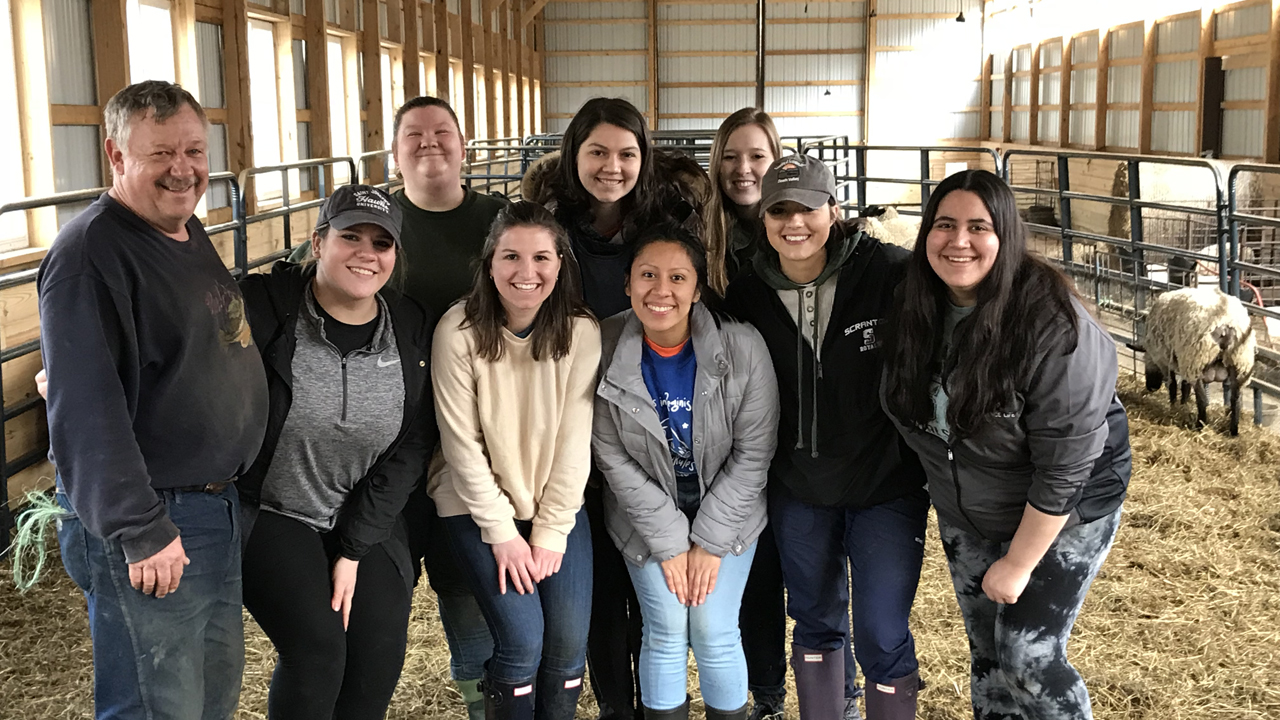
[515, 435]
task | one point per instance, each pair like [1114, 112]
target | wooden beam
[487, 56]
[75, 115]
[347, 15]
[440, 13]
[532, 12]
[1033, 114]
[517, 29]
[651, 49]
[34, 128]
[1064, 93]
[395, 24]
[352, 104]
[110, 47]
[182, 13]
[235, 61]
[468, 69]
[984, 90]
[411, 45]
[1006, 121]
[1148, 87]
[505, 125]
[373, 101]
[1271, 147]
[1100, 101]
[315, 41]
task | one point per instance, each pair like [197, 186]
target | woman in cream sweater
[514, 365]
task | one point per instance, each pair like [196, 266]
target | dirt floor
[1183, 622]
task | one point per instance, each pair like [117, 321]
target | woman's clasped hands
[691, 575]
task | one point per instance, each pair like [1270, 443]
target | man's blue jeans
[179, 657]
[545, 630]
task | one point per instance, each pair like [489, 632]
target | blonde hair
[720, 216]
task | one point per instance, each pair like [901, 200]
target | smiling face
[799, 234]
[609, 163]
[429, 145]
[746, 158]
[161, 171]
[524, 270]
[962, 244]
[663, 286]
[356, 262]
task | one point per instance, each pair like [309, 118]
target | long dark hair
[553, 325]
[572, 199]
[997, 342]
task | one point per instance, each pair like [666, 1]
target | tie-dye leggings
[1018, 652]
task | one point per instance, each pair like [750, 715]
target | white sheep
[1199, 333]
[886, 225]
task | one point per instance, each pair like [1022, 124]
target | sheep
[886, 225]
[1199, 333]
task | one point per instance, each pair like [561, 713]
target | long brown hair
[553, 325]
[720, 216]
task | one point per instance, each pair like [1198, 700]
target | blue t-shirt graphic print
[670, 382]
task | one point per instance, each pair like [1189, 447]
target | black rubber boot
[895, 700]
[767, 707]
[679, 712]
[739, 714]
[508, 701]
[557, 696]
[819, 682]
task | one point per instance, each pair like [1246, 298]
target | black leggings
[323, 671]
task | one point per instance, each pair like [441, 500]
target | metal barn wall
[1243, 22]
[1124, 86]
[908, 50]
[696, 92]
[815, 65]
[1244, 129]
[1176, 83]
[587, 59]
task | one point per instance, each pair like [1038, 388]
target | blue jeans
[179, 657]
[879, 548]
[545, 629]
[711, 629]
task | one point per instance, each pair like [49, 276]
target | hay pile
[1183, 622]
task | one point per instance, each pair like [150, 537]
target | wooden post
[1271, 148]
[317, 44]
[440, 12]
[518, 11]
[1100, 101]
[1205, 51]
[1033, 96]
[35, 132]
[183, 16]
[1006, 131]
[347, 15]
[235, 60]
[984, 120]
[352, 106]
[372, 102]
[506, 127]
[412, 48]
[488, 51]
[1064, 95]
[286, 101]
[395, 22]
[468, 69]
[110, 46]
[653, 65]
[1146, 101]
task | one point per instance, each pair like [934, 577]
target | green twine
[41, 512]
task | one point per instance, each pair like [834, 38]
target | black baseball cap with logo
[801, 178]
[352, 205]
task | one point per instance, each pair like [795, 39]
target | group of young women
[608, 428]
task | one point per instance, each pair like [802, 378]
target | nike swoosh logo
[382, 364]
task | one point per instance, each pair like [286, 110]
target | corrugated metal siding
[1243, 22]
[209, 64]
[1022, 59]
[917, 32]
[1173, 132]
[77, 163]
[1021, 91]
[1122, 128]
[816, 126]
[596, 37]
[1242, 133]
[331, 10]
[1021, 127]
[569, 99]
[382, 20]
[1051, 55]
[1178, 36]
[1126, 42]
[600, 69]
[1081, 131]
[1050, 88]
[966, 125]
[1246, 84]
[731, 11]
[997, 126]
[802, 99]
[298, 7]
[832, 36]
[783, 68]
[718, 100]
[927, 6]
[997, 92]
[301, 100]
[218, 195]
[1124, 84]
[1084, 49]
[1047, 126]
[1176, 82]
[68, 52]
[1084, 86]
[595, 10]
[813, 10]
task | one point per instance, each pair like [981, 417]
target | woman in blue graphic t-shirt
[685, 428]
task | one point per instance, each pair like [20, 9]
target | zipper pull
[949, 455]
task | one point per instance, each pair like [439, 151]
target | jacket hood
[841, 244]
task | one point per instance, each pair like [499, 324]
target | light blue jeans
[711, 629]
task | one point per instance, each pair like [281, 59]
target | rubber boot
[557, 696]
[473, 698]
[739, 714]
[679, 712]
[767, 707]
[507, 701]
[895, 700]
[819, 682]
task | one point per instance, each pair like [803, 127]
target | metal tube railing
[243, 263]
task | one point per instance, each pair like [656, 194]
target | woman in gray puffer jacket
[686, 424]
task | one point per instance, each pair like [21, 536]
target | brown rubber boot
[819, 682]
[894, 701]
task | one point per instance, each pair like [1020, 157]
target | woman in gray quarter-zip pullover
[1004, 385]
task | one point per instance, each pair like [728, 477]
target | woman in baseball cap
[326, 566]
[845, 492]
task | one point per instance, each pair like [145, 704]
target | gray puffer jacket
[735, 431]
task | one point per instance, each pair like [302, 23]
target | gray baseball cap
[352, 205]
[802, 178]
